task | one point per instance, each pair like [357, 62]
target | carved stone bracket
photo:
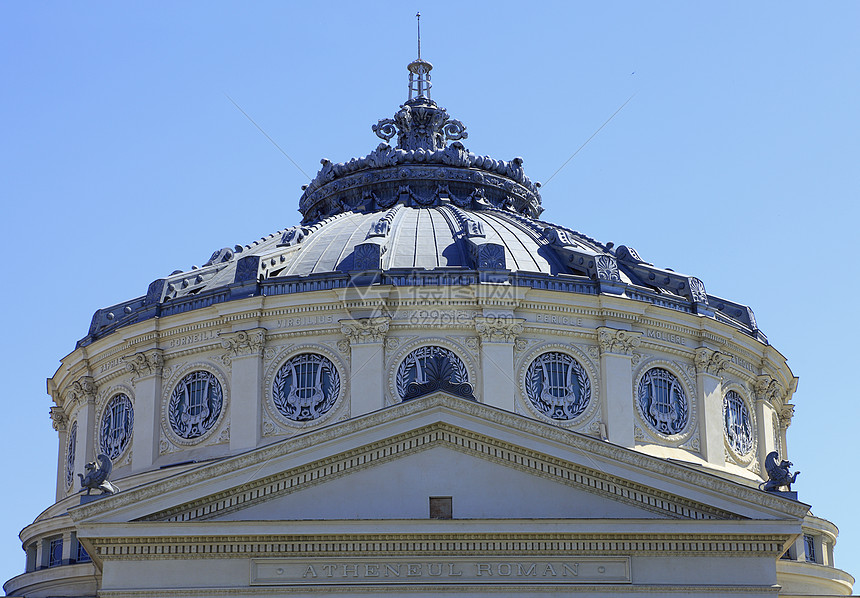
[498, 329]
[710, 362]
[618, 342]
[767, 389]
[59, 419]
[244, 342]
[785, 415]
[145, 363]
[365, 330]
[83, 389]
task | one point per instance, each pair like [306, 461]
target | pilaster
[146, 368]
[60, 422]
[68, 541]
[766, 389]
[245, 350]
[709, 389]
[367, 364]
[616, 379]
[498, 334]
[81, 399]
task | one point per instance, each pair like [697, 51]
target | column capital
[786, 412]
[710, 362]
[83, 389]
[767, 389]
[617, 342]
[498, 329]
[363, 331]
[244, 343]
[144, 364]
[59, 419]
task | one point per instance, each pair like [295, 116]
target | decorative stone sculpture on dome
[97, 475]
[778, 474]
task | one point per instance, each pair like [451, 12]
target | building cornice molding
[188, 544]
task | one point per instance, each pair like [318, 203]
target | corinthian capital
[365, 330]
[768, 389]
[59, 419]
[619, 342]
[244, 342]
[145, 363]
[498, 329]
[786, 412]
[710, 362]
[83, 389]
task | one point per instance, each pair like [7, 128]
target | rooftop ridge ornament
[420, 123]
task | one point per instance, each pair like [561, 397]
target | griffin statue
[97, 475]
[777, 473]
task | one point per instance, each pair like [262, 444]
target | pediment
[387, 464]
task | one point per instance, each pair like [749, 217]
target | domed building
[424, 388]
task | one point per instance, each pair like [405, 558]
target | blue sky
[737, 161]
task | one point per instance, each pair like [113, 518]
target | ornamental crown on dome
[422, 170]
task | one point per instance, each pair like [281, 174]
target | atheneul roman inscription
[441, 570]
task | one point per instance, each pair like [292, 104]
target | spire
[419, 72]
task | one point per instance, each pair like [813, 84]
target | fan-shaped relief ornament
[663, 402]
[558, 386]
[429, 369]
[71, 445]
[117, 425]
[738, 424]
[195, 404]
[306, 387]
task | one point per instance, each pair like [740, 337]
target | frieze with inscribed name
[109, 365]
[192, 339]
[743, 363]
[386, 570]
[556, 319]
[664, 336]
[303, 321]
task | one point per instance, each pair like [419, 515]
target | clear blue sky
[737, 161]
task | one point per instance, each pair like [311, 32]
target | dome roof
[424, 212]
